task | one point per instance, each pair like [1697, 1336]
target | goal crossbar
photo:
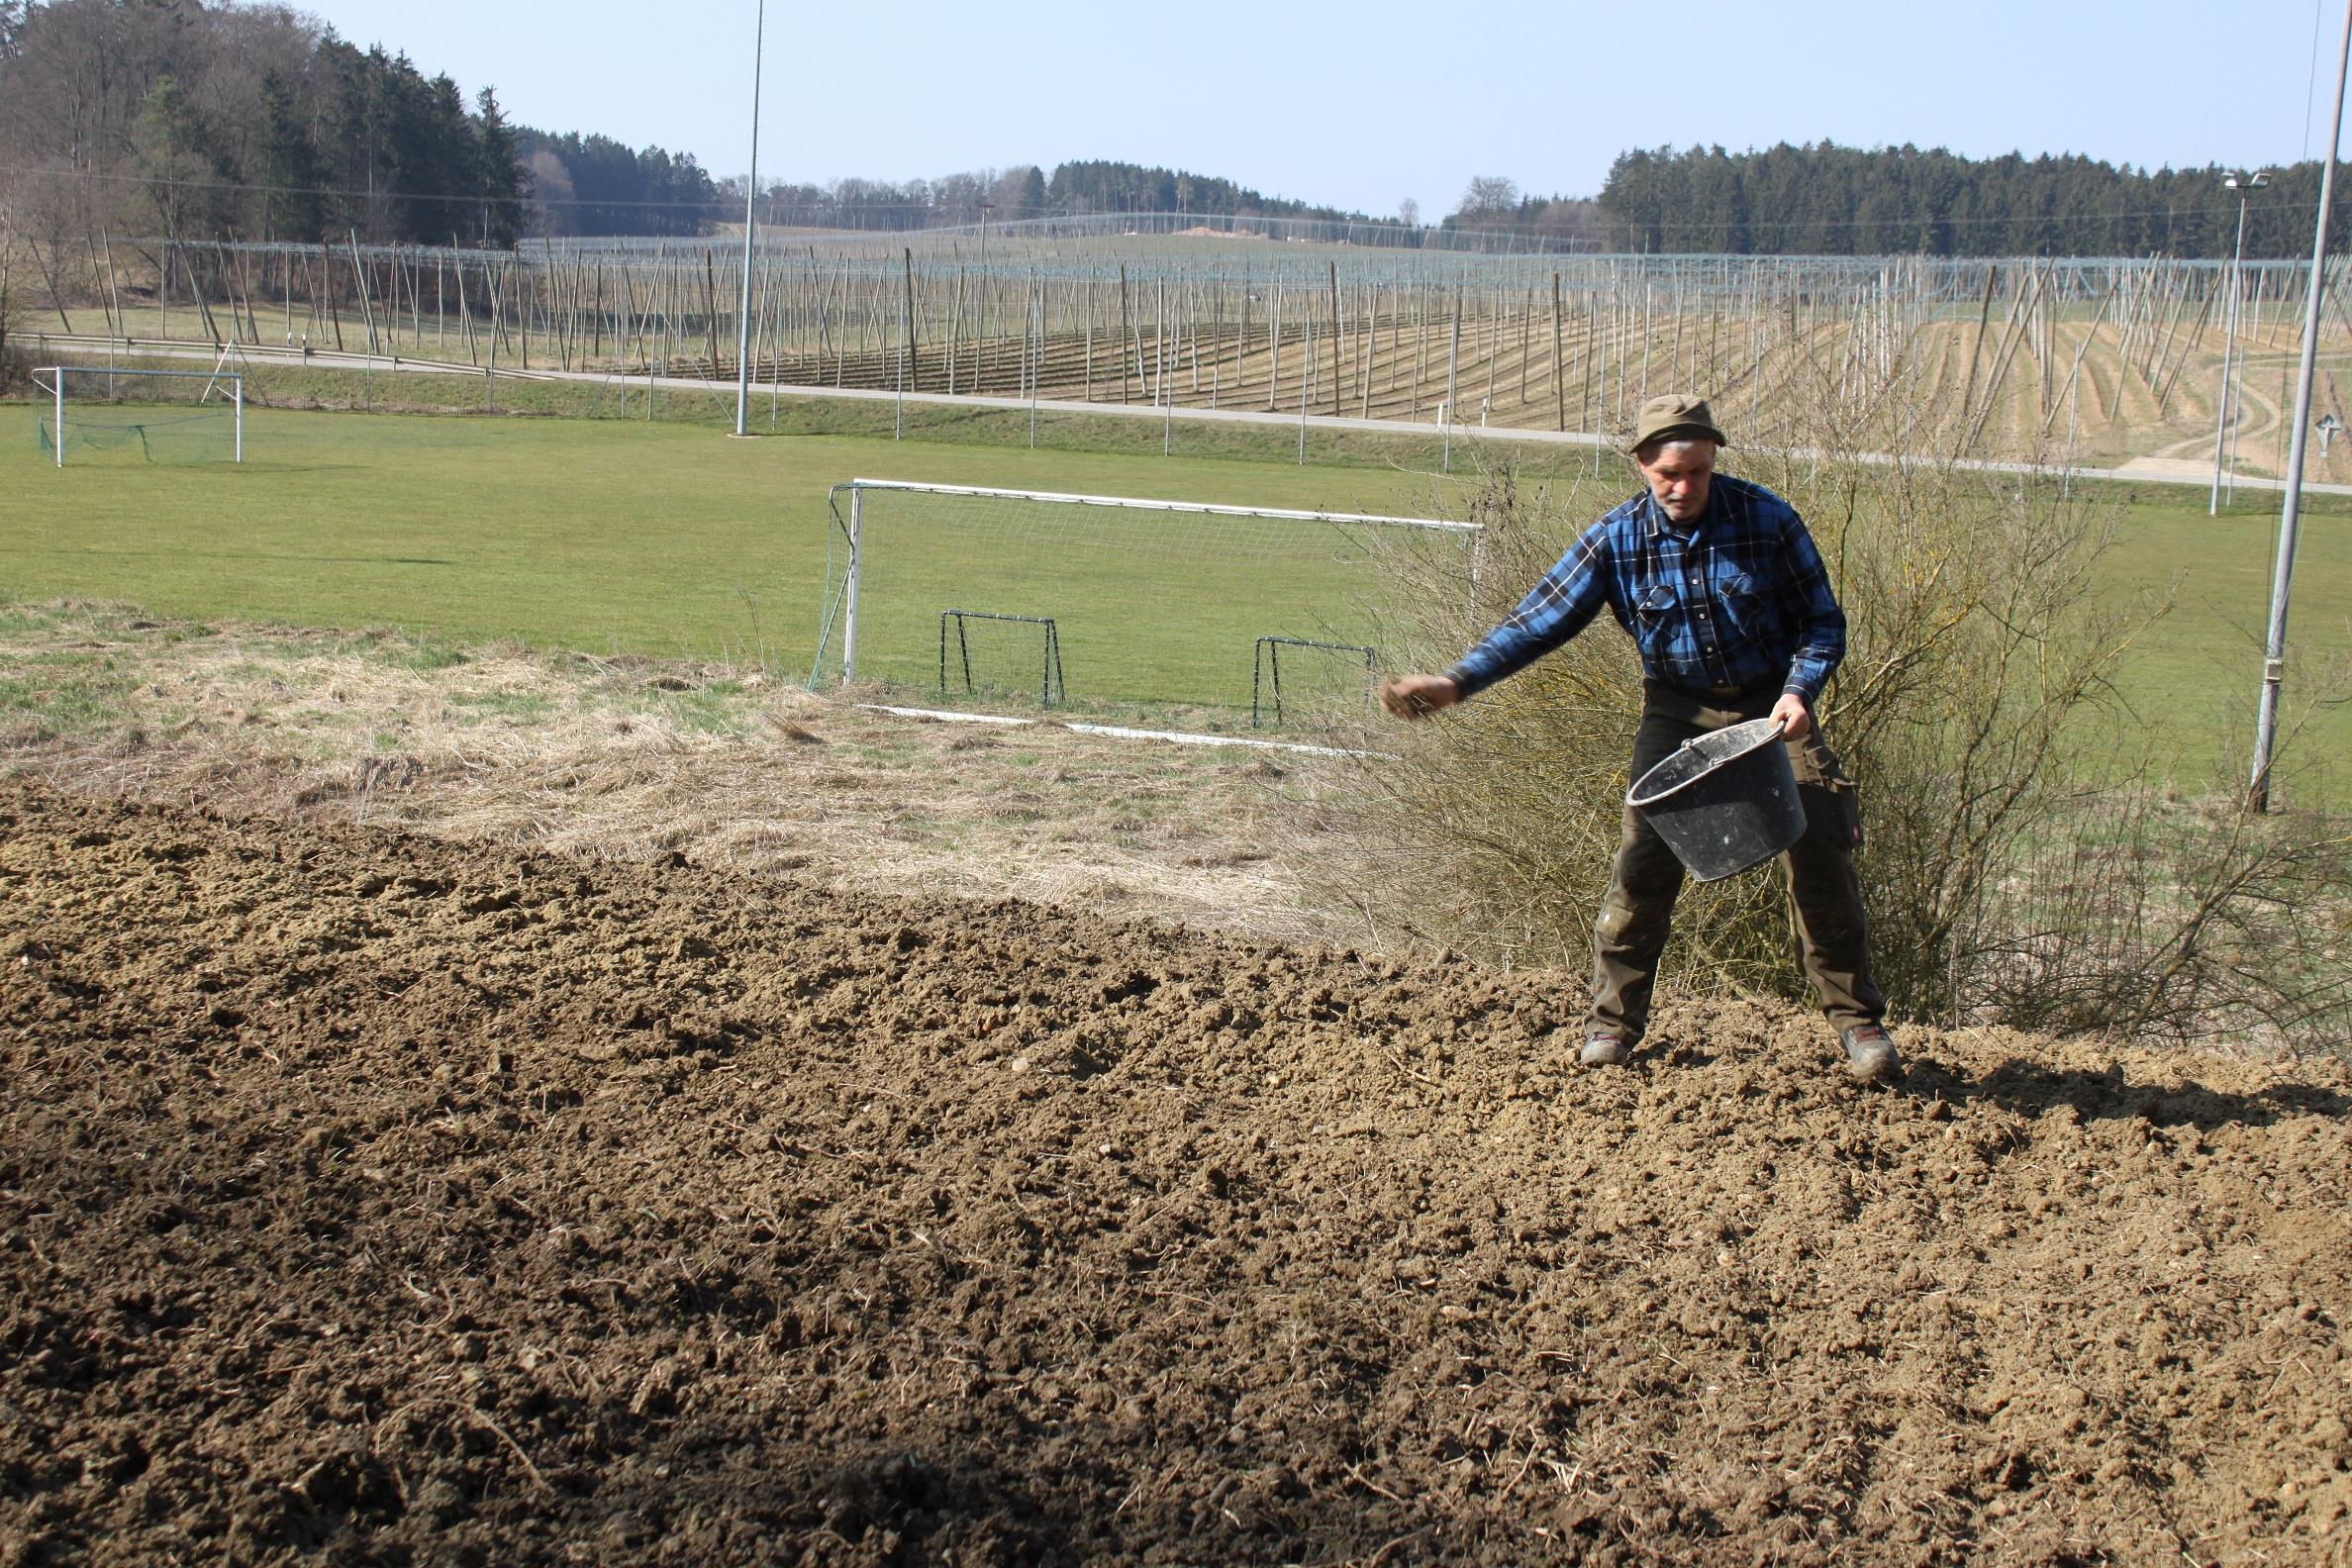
[1140, 504]
[1070, 583]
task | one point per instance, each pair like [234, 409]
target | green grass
[611, 535]
[64, 693]
[621, 537]
[2193, 679]
[598, 536]
[517, 707]
[619, 401]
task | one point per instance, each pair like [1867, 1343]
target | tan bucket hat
[1675, 416]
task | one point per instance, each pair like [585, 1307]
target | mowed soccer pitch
[672, 540]
[612, 537]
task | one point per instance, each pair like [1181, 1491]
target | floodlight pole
[750, 200]
[2244, 184]
[2273, 652]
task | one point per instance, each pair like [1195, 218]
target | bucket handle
[1780, 731]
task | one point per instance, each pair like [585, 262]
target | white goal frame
[858, 489]
[58, 373]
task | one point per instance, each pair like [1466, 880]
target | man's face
[1678, 474]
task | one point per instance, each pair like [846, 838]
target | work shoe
[1870, 1053]
[1605, 1050]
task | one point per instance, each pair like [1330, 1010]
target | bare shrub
[2019, 865]
[2151, 916]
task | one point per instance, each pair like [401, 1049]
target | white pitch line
[1123, 733]
[945, 714]
[1182, 739]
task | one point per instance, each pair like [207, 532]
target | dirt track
[365, 1198]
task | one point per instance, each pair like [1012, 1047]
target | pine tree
[292, 206]
[438, 162]
[499, 176]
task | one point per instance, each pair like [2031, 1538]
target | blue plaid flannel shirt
[1738, 599]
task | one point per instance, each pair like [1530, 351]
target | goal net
[125, 414]
[1025, 599]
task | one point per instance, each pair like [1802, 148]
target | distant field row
[2098, 362]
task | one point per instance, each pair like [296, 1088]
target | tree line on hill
[594, 185]
[895, 206]
[1023, 191]
[1106, 187]
[1829, 200]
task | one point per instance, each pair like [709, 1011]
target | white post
[1600, 386]
[1305, 374]
[751, 199]
[236, 387]
[1167, 384]
[2228, 351]
[1453, 361]
[2273, 661]
[849, 591]
[2223, 425]
[57, 420]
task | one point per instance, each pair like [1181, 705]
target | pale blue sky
[1360, 105]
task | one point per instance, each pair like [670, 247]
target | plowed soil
[365, 1198]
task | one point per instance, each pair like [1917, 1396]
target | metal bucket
[1724, 802]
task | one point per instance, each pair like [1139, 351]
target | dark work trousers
[1639, 909]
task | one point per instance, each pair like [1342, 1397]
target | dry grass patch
[629, 758]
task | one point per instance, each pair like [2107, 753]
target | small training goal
[142, 415]
[1031, 599]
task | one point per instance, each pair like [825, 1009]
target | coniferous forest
[1827, 200]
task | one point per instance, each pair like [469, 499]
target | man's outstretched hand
[1795, 720]
[1418, 696]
